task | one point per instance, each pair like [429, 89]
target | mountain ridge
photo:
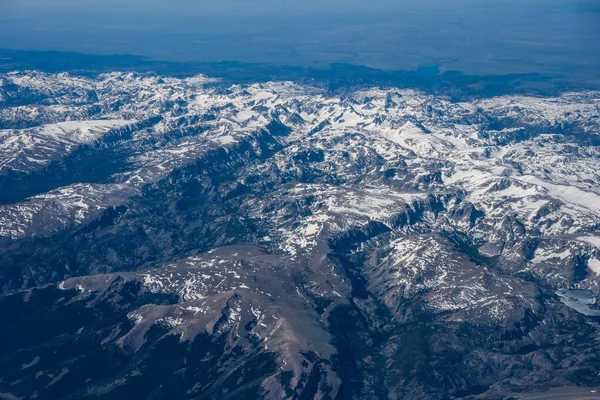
[281, 240]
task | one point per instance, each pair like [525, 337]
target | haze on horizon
[484, 37]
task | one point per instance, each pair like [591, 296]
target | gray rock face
[187, 238]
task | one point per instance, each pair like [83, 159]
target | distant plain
[557, 37]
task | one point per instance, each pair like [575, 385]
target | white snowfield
[403, 204]
[529, 171]
[34, 148]
[566, 194]
[594, 240]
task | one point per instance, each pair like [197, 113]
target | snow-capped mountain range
[360, 243]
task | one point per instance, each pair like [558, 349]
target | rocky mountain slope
[187, 238]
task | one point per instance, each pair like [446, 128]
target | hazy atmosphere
[299, 199]
[481, 37]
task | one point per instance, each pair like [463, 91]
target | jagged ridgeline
[184, 237]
